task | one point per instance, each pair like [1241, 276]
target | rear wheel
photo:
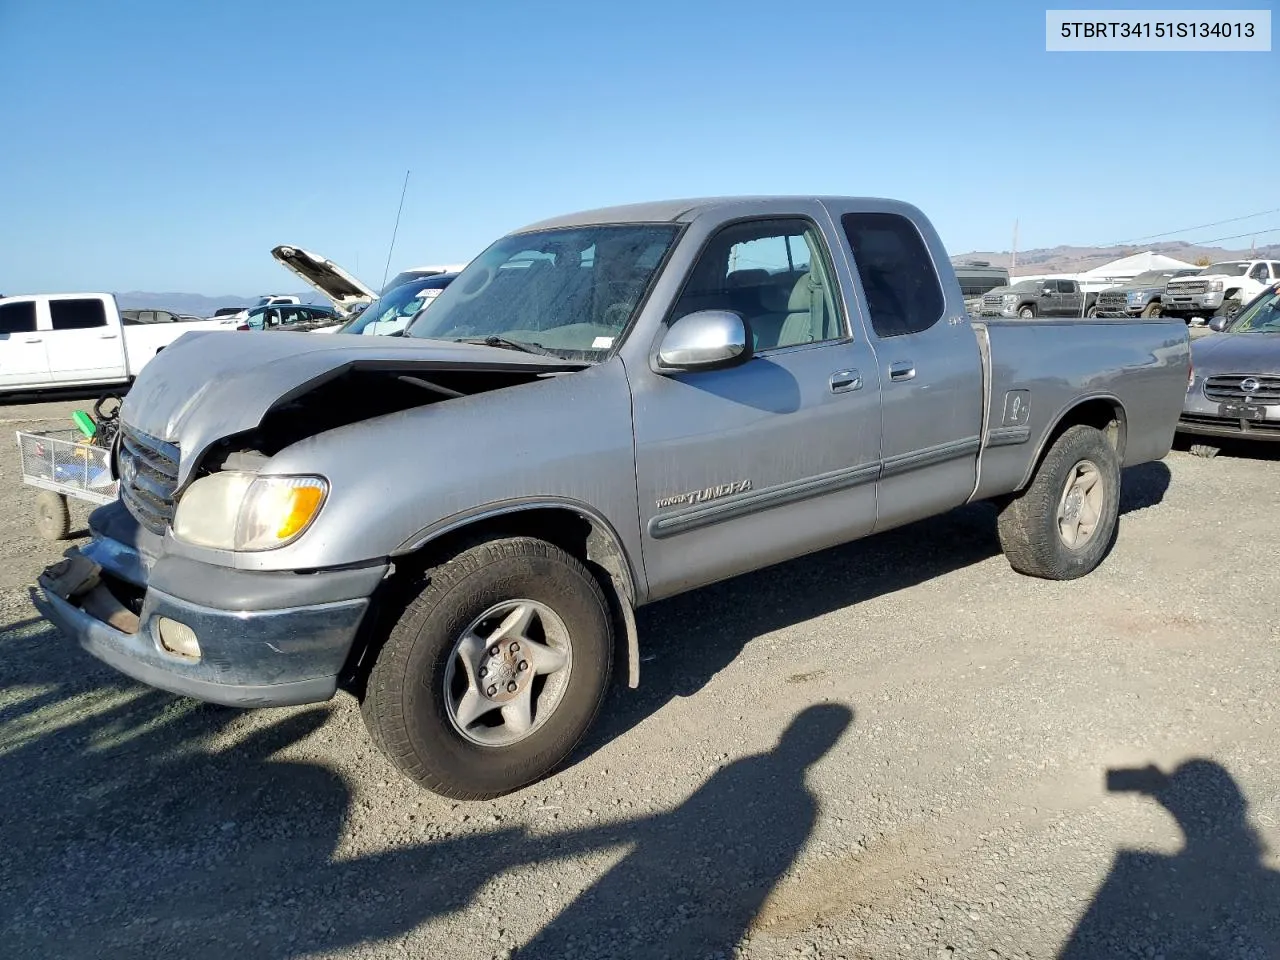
[53, 519]
[1064, 523]
[495, 672]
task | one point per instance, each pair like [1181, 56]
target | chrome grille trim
[148, 470]
[1227, 387]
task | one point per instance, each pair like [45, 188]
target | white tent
[1126, 268]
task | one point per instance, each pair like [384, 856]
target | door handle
[33, 340]
[843, 381]
[108, 336]
[906, 370]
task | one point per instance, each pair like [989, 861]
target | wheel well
[1231, 293]
[1101, 413]
[589, 540]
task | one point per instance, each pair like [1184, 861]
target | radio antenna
[394, 231]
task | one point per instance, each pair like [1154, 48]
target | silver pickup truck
[602, 410]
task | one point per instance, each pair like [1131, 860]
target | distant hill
[195, 303]
[1067, 259]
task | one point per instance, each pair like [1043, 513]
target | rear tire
[53, 519]
[436, 701]
[1063, 524]
[1206, 450]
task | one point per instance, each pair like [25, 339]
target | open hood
[210, 385]
[338, 286]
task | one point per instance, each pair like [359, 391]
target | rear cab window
[899, 279]
[77, 314]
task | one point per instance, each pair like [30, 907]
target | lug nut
[484, 671]
[515, 647]
[492, 690]
[523, 665]
[493, 651]
[511, 687]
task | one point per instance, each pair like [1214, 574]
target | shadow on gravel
[136, 824]
[687, 640]
[1265, 450]
[1213, 899]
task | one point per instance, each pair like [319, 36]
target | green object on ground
[85, 423]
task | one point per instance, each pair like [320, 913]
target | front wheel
[1027, 313]
[1229, 309]
[1091, 312]
[495, 672]
[1064, 523]
[1151, 310]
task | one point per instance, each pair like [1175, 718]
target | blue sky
[168, 146]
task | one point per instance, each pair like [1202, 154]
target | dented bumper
[262, 639]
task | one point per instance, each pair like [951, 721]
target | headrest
[747, 278]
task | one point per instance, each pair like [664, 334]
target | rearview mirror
[705, 340]
[1218, 324]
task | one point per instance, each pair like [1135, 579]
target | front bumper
[1190, 302]
[264, 639]
[1204, 417]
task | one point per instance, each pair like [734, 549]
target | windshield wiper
[503, 342]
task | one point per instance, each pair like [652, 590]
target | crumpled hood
[213, 384]
[1220, 353]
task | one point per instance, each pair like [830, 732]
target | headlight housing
[1008, 298]
[234, 510]
[1215, 286]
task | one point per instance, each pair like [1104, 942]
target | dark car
[1035, 298]
[1139, 297]
[288, 316]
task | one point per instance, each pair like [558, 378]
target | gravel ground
[894, 749]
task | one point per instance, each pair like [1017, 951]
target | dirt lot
[898, 748]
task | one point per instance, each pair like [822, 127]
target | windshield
[1261, 316]
[1153, 278]
[1224, 270]
[1022, 286]
[568, 292]
[394, 309]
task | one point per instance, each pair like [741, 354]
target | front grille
[1187, 286]
[1112, 301]
[1233, 424]
[992, 300]
[1229, 387]
[148, 470]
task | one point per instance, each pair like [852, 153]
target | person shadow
[1214, 898]
[696, 877]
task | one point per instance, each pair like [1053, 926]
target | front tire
[494, 673]
[1229, 309]
[1062, 526]
[1027, 313]
[1151, 310]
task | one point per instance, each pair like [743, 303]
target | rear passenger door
[1072, 302]
[23, 360]
[930, 371]
[82, 344]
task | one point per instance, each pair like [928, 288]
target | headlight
[1135, 297]
[1009, 298]
[1215, 286]
[242, 511]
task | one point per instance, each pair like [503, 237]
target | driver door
[741, 467]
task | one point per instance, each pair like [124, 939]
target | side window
[1259, 272]
[1066, 286]
[77, 314]
[18, 317]
[775, 274]
[902, 288]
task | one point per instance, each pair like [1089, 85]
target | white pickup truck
[77, 339]
[1219, 290]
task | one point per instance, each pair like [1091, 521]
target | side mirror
[705, 340]
[1218, 324]
[1048, 290]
